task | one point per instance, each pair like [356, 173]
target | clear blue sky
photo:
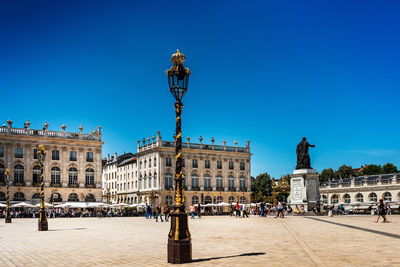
[266, 71]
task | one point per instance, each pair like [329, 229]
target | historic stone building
[72, 169]
[213, 173]
[362, 189]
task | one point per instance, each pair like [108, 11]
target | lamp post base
[8, 219]
[43, 226]
[179, 249]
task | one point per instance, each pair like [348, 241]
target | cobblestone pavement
[217, 241]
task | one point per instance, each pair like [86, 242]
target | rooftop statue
[303, 158]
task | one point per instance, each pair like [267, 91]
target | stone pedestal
[8, 219]
[43, 226]
[304, 189]
[179, 239]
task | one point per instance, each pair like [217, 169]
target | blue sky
[266, 71]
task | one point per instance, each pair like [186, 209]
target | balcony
[244, 189]
[169, 187]
[90, 185]
[36, 184]
[195, 188]
[73, 185]
[19, 183]
[220, 189]
[55, 185]
[232, 189]
[207, 188]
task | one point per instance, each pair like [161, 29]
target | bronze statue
[303, 158]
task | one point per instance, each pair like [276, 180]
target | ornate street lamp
[179, 239]
[41, 155]
[8, 214]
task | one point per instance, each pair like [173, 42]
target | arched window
[231, 182]
[373, 197]
[168, 181]
[90, 198]
[195, 180]
[145, 181]
[135, 200]
[219, 182]
[150, 180]
[55, 175]
[36, 175]
[18, 174]
[168, 200]
[2, 173]
[195, 200]
[89, 176]
[231, 199]
[207, 181]
[2, 196]
[387, 196]
[242, 180]
[324, 199]
[207, 200]
[36, 196]
[335, 199]
[73, 197]
[242, 200]
[140, 183]
[219, 199]
[72, 176]
[19, 196]
[346, 198]
[359, 197]
[155, 180]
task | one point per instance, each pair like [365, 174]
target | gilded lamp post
[8, 214]
[179, 239]
[42, 224]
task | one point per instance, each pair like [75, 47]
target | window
[207, 163]
[373, 197]
[195, 180]
[335, 199]
[242, 200]
[72, 155]
[72, 176]
[73, 197]
[207, 181]
[55, 155]
[149, 163]
[19, 196]
[168, 180]
[219, 181]
[155, 180]
[183, 162]
[195, 200]
[168, 200]
[35, 153]
[19, 152]
[89, 156]
[207, 200]
[140, 183]
[1, 151]
[219, 164]
[194, 163]
[387, 196]
[2, 196]
[359, 197]
[219, 199]
[150, 180]
[89, 176]
[18, 174]
[2, 174]
[231, 199]
[155, 162]
[231, 182]
[145, 182]
[168, 162]
[242, 168]
[36, 175]
[231, 165]
[90, 198]
[242, 181]
[346, 198]
[55, 175]
[324, 199]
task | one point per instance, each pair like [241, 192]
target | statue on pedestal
[303, 158]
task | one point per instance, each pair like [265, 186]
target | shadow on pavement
[67, 229]
[232, 256]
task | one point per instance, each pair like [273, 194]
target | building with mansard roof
[72, 168]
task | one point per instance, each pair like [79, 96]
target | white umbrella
[253, 204]
[2, 205]
[45, 204]
[142, 204]
[122, 205]
[76, 204]
[209, 205]
[61, 205]
[223, 204]
[95, 205]
[22, 204]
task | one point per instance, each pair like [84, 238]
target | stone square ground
[216, 241]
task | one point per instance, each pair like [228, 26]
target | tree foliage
[345, 171]
[389, 168]
[261, 188]
[372, 169]
[326, 175]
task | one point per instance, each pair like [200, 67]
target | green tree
[389, 168]
[261, 187]
[345, 171]
[326, 175]
[372, 169]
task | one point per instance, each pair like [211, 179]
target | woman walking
[382, 211]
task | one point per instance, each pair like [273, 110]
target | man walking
[158, 213]
[166, 212]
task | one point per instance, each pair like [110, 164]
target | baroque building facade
[362, 189]
[213, 173]
[72, 168]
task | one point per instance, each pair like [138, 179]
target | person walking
[244, 208]
[237, 210]
[199, 210]
[166, 212]
[148, 212]
[158, 213]
[382, 211]
[192, 211]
